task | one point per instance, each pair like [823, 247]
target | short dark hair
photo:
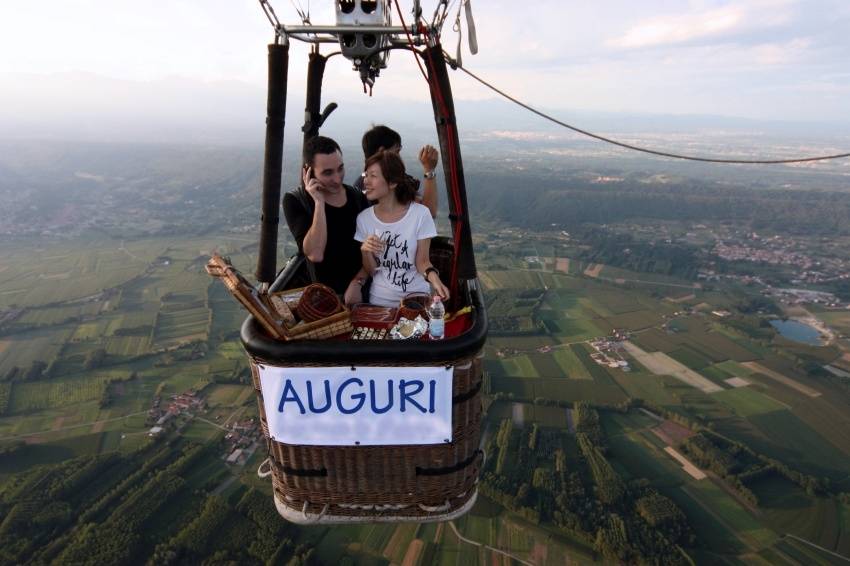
[379, 137]
[318, 144]
[392, 168]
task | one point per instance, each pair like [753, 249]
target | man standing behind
[382, 137]
[322, 216]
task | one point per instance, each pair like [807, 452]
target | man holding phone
[322, 216]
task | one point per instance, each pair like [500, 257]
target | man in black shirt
[322, 216]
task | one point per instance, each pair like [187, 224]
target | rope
[455, 65]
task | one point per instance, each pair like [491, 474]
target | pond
[798, 331]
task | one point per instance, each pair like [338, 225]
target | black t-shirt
[342, 259]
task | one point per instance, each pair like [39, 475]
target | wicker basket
[317, 302]
[328, 327]
[339, 484]
[384, 483]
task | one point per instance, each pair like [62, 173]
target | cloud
[680, 28]
[770, 54]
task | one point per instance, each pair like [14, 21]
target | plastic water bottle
[437, 313]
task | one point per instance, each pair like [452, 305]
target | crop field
[55, 393]
[715, 374]
[548, 416]
[690, 357]
[793, 551]
[57, 315]
[545, 365]
[731, 513]
[746, 401]
[655, 340]
[698, 402]
[789, 510]
[724, 527]
[661, 364]
[224, 394]
[127, 346]
[634, 320]
[782, 378]
[573, 329]
[617, 302]
[91, 330]
[181, 326]
[635, 456]
[227, 313]
[734, 368]
[511, 279]
[719, 347]
[599, 390]
[644, 385]
[782, 435]
[569, 363]
[517, 366]
[611, 272]
[22, 349]
[61, 273]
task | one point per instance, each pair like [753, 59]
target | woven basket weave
[333, 484]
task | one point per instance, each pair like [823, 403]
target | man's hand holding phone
[312, 185]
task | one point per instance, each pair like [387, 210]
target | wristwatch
[429, 270]
[430, 174]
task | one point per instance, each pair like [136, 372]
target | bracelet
[429, 270]
[430, 174]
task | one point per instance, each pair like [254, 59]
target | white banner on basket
[339, 406]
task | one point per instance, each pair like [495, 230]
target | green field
[570, 364]
[690, 357]
[22, 349]
[734, 368]
[135, 305]
[790, 510]
[29, 397]
[746, 401]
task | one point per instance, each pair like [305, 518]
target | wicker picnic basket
[325, 316]
[319, 324]
[339, 484]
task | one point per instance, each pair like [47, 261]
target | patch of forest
[531, 201]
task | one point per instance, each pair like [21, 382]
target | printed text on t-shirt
[396, 260]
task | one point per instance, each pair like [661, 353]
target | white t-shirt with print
[397, 275]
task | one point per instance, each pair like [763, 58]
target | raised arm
[316, 238]
[428, 157]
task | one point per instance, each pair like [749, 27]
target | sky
[88, 66]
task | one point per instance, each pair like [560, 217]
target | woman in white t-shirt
[395, 234]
